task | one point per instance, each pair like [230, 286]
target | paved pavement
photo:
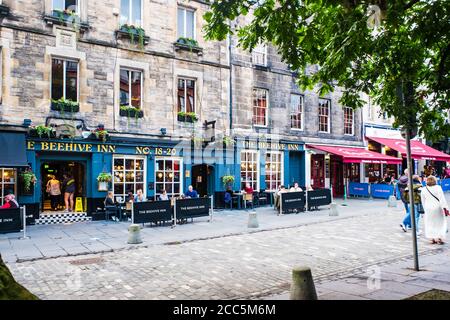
[100, 236]
[230, 262]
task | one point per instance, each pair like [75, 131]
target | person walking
[402, 185]
[417, 185]
[69, 191]
[436, 209]
[54, 190]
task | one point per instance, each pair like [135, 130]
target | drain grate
[81, 262]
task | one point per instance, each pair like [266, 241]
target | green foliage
[104, 177]
[101, 134]
[228, 180]
[191, 115]
[134, 31]
[43, 130]
[10, 289]
[28, 179]
[191, 43]
[228, 141]
[66, 105]
[403, 64]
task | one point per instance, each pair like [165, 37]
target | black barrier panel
[191, 208]
[156, 211]
[10, 220]
[319, 197]
[292, 202]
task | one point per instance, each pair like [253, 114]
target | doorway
[337, 176]
[203, 179]
[317, 171]
[58, 169]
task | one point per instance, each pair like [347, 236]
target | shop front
[335, 167]
[149, 165]
[266, 165]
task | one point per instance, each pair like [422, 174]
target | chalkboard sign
[319, 197]
[194, 207]
[293, 202]
[156, 211]
[10, 220]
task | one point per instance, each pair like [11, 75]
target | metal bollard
[252, 220]
[302, 286]
[134, 234]
[392, 202]
[333, 210]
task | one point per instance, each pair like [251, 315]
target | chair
[248, 197]
[111, 211]
[263, 198]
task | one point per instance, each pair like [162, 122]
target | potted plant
[65, 105]
[190, 44]
[28, 180]
[228, 181]
[104, 178]
[42, 131]
[187, 117]
[131, 112]
[132, 32]
[101, 134]
[228, 141]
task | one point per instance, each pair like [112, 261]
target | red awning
[358, 155]
[419, 151]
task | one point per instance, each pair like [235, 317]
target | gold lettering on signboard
[31, 145]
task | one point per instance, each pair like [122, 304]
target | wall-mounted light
[163, 131]
[26, 122]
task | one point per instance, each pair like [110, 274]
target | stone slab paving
[244, 265]
[100, 236]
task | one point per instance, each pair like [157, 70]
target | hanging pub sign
[155, 211]
[10, 220]
[292, 202]
[192, 208]
[319, 197]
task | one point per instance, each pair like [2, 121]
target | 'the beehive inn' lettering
[270, 145]
[71, 147]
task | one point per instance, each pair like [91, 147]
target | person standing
[54, 190]
[417, 185]
[69, 191]
[436, 209]
[402, 185]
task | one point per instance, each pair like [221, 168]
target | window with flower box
[131, 13]
[130, 92]
[64, 84]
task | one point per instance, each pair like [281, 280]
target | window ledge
[121, 34]
[186, 119]
[180, 46]
[55, 20]
[4, 10]
[261, 67]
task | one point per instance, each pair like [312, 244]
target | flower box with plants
[131, 112]
[64, 105]
[66, 18]
[135, 34]
[104, 178]
[228, 141]
[228, 181]
[28, 180]
[187, 117]
[100, 134]
[188, 44]
[42, 131]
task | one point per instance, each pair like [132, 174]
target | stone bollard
[134, 234]
[392, 202]
[302, 286]
[333, 210]
[252, 220]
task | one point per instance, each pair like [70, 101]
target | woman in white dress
[436, 208]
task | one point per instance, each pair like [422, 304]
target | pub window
[129, 175]
[297, 102]
[249, 169]
[348, 121]
[186, 23]
[186, 95]
[131, 12]
[8, 182]
[130, 88]
[69, 5]
[260, 107]
[274, 170]
[64, 79]
[324, 115]
[168, 176]
[259, 55]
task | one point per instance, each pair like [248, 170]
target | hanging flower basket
[104, 178]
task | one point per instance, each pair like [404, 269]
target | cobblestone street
[249, 265]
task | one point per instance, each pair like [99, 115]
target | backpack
[416, 194]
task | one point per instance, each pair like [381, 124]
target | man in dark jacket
[417, 184]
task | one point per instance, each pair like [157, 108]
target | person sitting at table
[191, 193]
[163, 196]
[110, 205]
[10, 202]
[139, 196]
[295, 188]
[130, 197]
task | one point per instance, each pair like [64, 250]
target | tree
[403, 63]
